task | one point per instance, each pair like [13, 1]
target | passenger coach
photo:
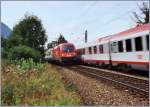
[126, 50]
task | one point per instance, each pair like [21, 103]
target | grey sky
[73, 18]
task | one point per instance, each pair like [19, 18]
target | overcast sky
[72, 18]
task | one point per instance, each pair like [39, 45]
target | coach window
[147, 41]
[100, 48]
[90, 50]
[138, 43]
[95, 50]
[128, 45]
[120, 46]
[83, 51]
[80, 52]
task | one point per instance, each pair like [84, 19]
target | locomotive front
[68, 52]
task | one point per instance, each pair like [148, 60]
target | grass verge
[34, 85]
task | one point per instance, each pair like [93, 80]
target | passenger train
[125, 50]
[65, 52]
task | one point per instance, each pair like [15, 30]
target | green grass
[35, 85]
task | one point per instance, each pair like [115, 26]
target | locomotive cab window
[90, 50]
[100, 48]
[95, 50]
[138, 43]
[147, 41]
[120, 46]
[68, 48]
[128, 45]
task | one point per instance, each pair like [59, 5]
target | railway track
[136, 84]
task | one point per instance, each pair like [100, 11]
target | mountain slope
[5, 30]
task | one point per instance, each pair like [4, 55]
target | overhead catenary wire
[105, 25]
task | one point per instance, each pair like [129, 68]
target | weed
[8, 97]
[30, 83]
[69, 87]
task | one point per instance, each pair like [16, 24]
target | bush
[8, 97]
[25, 52]
[4, 52]
[25, 65]
[4, 47]
[42, 88]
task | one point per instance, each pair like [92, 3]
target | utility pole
[86, 36]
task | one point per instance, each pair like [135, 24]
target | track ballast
[132, 83]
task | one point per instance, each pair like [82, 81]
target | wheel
[124, 67]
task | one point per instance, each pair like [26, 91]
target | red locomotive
[65, 52]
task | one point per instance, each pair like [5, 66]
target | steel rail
[115, 81]
[118, 73]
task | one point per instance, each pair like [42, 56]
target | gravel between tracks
[94, 92]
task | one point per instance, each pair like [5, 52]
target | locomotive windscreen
[68, 48]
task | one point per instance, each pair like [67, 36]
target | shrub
[4, 52]
[8, 97]
[25, 52]
[24, 65]
[43, 88]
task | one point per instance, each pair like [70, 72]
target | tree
[61, 39]
[49, 45]
[23, 51]
[144, 17]
[3, 42]
[4, 47]
[52, 44]
[29, 32]
[14, 40]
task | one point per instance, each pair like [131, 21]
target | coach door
[114, 47]
[109, 49]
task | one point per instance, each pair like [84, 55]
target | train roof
[66, 44]
[63, 44]
[131, 31]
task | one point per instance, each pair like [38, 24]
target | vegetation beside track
[25, 82]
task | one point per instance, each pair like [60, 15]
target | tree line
[27, 40]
